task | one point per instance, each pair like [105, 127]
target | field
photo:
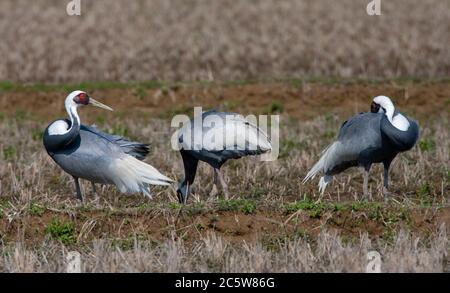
[314, 63]
[222, 40]
[273, 223]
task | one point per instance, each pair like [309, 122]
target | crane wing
[358, 134]
[132, 148]
[224, 132]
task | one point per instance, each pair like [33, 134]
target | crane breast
[58, 127]
[400, 122]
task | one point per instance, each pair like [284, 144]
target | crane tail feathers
[324, 163]
[134, 176]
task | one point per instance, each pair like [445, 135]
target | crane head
[80, 98]
[380, 104]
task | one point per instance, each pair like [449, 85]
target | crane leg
[214, 190]
[223, 184]
[94, 190]
[386, 192]
[78, 189]
[366, 194]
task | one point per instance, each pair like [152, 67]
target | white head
[79, 98]
[382, 104]
[74, 100]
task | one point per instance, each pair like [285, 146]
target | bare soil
[424, 101]
[302, 101]
[234, 227]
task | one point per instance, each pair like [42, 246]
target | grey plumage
[88, 153]
[216, 154]
[132, 148]
[365, 139]
[91, 151]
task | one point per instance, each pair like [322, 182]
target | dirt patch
[300, 101]
[236, 227]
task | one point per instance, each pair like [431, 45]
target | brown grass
[213, 254]
[222, 40]
[260, 229]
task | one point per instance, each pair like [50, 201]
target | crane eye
[82, 98]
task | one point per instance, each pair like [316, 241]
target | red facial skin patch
[82, 99]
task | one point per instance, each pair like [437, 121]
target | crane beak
[98, 104]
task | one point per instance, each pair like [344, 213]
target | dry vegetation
[315, 49]
[273, 222]
[211, 253]
[222, 40]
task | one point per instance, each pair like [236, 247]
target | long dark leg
[386, 192]
[94, 190]
[215, 190]
[366, 182]
[190, 169]
[78, 189]
[223, 184]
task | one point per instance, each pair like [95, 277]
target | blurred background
[185, 40]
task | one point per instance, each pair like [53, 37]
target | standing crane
[88, 153]
[365, 139]
[234, 137]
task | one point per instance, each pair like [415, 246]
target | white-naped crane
[88, 153]
[367, 138]
[223, 136]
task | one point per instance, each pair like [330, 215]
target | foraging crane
[218, 137]
[367, 138]
[88, 153]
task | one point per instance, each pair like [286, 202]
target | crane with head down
[367, 138]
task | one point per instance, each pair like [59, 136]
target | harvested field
[175, 40]
[313, 63]
[272, 223]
